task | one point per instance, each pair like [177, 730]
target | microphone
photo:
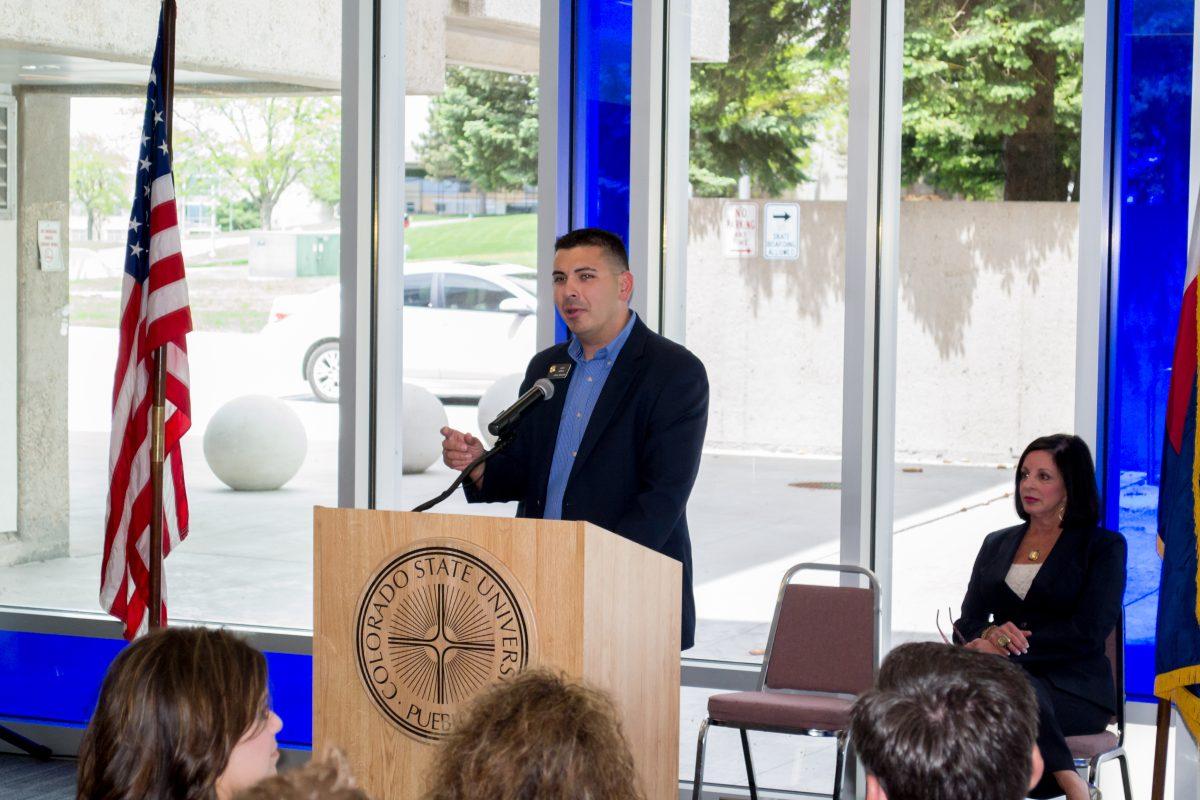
[507, 420]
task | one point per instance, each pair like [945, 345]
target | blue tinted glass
[55, 679]
[1153, 131]
[600, 121]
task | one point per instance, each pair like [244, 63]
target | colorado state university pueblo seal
[437, 623]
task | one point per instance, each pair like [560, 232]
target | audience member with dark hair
[183, 713]
[945, 723]
[535, 737]
[1046, 594]
[326, 779]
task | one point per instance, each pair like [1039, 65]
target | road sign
[781, 231]
[739, 230]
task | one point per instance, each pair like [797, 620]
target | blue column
[601, 42]
[1153, 102]
[54, 679]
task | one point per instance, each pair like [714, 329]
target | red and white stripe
[1183, 372]
[153, 314]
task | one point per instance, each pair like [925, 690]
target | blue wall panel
[54, 679]
[1154, 87]
[602, 38]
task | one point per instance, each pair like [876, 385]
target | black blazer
[638, 459]
[1071, 607]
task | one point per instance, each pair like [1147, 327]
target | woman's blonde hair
[172, 707]
[326, 779]
[537, 736]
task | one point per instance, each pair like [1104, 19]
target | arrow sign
[739, 230]
[781, 232]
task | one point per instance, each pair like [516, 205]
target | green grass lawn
[225, 298]
[511, 238]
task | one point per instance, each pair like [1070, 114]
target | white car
[465, 326]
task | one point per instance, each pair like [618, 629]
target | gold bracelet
[988, 632]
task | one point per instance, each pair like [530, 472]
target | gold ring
[1003, 641]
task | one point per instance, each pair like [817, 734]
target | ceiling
[32, 68]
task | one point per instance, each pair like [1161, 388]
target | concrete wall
[298, 41]
[43, 499]
[986, 331]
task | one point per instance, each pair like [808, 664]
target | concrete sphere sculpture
[255, 443]
[499, 396]
[424, 418]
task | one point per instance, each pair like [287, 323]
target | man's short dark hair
[607, 241]
[945, 723]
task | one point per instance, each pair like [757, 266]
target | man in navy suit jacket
[619, 443]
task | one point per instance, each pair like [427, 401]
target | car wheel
[322, 372]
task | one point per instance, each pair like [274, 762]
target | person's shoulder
[671, 353]
[996, 538]
[554, 354]
[1103, 538]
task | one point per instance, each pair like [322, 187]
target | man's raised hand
[459, 450]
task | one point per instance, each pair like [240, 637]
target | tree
[323, 175]
[483, 129]
[992, 97]
[259, 146]
[98, 182]
[757, 113]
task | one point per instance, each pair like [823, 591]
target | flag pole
[158, 414]
[1162, 730]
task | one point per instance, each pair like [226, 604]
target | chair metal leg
[1093, 772]
[839, 766]
[1125, 775]
[749, 764]
[701, 742]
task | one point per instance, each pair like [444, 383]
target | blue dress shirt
[582, 394]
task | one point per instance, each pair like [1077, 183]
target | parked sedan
[465, 326]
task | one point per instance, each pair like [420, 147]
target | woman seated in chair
[183, 713]
[1046, 594]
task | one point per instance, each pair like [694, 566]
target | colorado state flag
[1177, 637]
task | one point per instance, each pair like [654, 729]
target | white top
[1020, 577]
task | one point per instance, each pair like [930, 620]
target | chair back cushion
[824, 640]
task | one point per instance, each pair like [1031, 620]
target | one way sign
[781, 231]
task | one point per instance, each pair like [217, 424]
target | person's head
[325, 779]
[536, 736]
[183, 712]
[592, 284]
[1055, 475]
[944, 723]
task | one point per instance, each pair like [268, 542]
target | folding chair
[823, 651]
[1094, 749]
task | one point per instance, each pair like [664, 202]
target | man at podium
[618, 443]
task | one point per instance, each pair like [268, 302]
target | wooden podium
[414, 613]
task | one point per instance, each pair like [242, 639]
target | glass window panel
[986, 329]
[1154, 84]
[766, 258]
[257, 182]
[472, 198]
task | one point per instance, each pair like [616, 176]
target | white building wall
[986, 346]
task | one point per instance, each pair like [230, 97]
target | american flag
[154, 313]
